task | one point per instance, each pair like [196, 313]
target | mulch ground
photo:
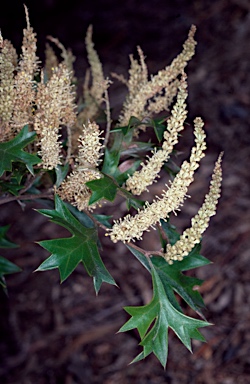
[54, 333]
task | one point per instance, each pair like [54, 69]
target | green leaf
[12, 151]
[172, 277]
[131, 200]
[133, 123]
[4, 242]
[154, 320]
[122, 177]
[174, 281]
[84, 219]
[170, 231]
[104, 188]
[158, 127]
[103, 219]
[6, 268]
[18, 172]
[67, 253]
[137, 149]
[10, 187]
[111, 162]
[61, 173]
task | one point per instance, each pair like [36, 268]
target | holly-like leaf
[173, 279]
[84, 219]
[137, 149]
[12, 151]
[4, 242]
[111, 159]
[61, 173]
[104, 188]
[103, 219]
[154, 320]
[121, 177]
[67, 253]
[158, 126]
[6, 267]
[171, 233]
[10, 187]
[131, 200]
[133, 123]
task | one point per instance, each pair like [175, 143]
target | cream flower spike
[199, 222]
[98, 79]
[73, 189]
[7, 92]
[140, 180]
[132, 227]
[55, 107]
[163, 80]
[90, 145]
[24, 92]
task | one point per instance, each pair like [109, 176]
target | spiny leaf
[61, 173]
[67, 253]
[131, 200]
[4, 242]
[10, 187]
[158, 126]
[133, 123]
[170, 231]
[12, 151]
[104, 188]
[137, 149]
[6, 267]
[154, 319]
[111, 161]
[174, 280]
[121, 177]
[104, 219]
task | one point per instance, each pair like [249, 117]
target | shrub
[46, 128]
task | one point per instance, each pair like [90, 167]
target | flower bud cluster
[199, 222]
[73, 188]
[90, 145]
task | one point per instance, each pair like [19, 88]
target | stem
[69, 149]
[47, 195]
[97, 223]
[30, 183]
[106, 99]
[148, 254]
[163, 234]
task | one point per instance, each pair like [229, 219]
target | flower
[199, 222]
[132, 227]
[159, 90]
[140, 180]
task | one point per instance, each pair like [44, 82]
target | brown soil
[54, 333]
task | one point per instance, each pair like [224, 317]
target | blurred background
[54, 333]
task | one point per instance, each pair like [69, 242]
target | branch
[148, 254]
[96, 222]
[106, 100]
[5, 200]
